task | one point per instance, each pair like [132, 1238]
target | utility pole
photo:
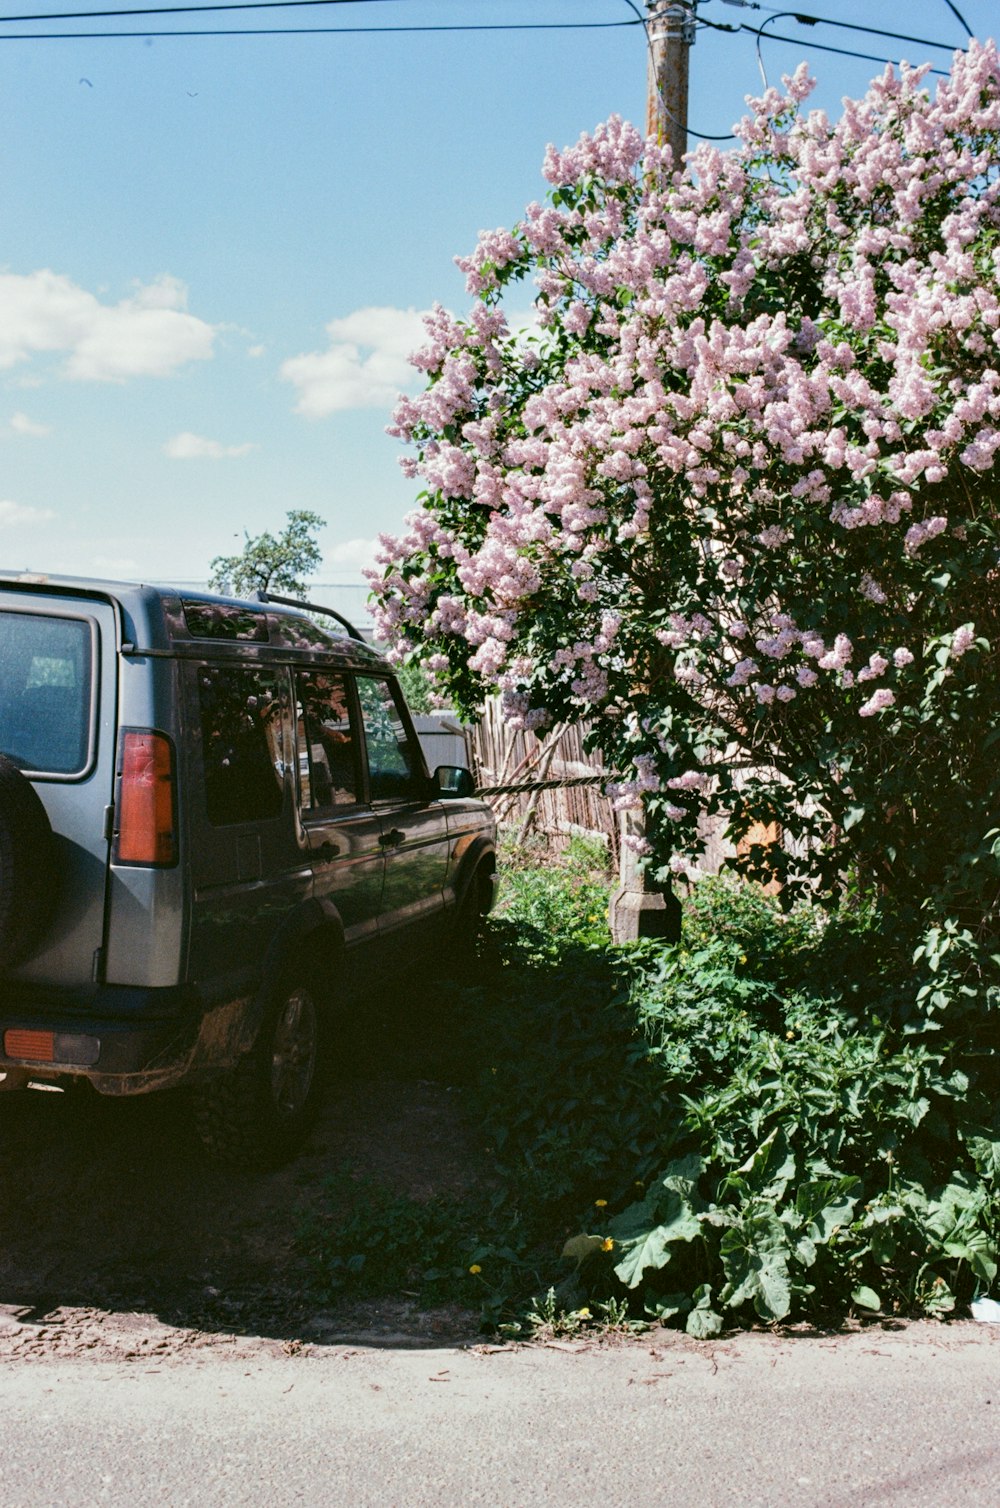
[671, 32]
[639, 908]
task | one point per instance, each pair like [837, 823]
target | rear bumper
[130, 1041]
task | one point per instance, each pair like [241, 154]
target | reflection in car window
[391, 764]
[327, 770]
[45, 677]
[242, 732]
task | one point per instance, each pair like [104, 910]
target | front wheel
[258, 1113]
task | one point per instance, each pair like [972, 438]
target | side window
[45, 687]
[392, 763]
[327, 746]
[242, 732]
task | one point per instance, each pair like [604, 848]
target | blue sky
[214, 250]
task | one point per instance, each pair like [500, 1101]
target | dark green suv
[216, 828]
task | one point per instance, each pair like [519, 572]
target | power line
[91, 15]
[843, 52]
[304, 31]
[959, 17]
[284, 5]
[808, 20]
[873, 31]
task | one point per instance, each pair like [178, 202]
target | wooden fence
[501, 756]
[505, 756]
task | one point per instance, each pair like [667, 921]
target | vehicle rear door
[414, 828]
[58, 690]
[247, 870]
[342, 831]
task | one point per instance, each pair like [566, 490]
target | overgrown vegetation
[741, 1128]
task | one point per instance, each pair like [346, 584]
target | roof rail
[312, 607]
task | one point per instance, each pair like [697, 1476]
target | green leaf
[770, 1169]
[703, 1322]
[987, 1157]
[666, 1306]
[755, 1259]
[866, 1298]
[651, 1250]
[579, 1248]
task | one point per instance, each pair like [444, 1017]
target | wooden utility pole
[670, 31]
[639, 908]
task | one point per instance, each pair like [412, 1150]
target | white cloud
[354, 555]
[189, 447]
[22, 425]
[17, 513]
[364, 366]
[148, 334]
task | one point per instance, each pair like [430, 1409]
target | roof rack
[312, 607]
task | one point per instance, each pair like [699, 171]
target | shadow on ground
[109, 1211]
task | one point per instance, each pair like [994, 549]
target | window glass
[45, 677]
[327, 764]
[392, 765]
[220, 620]
[243, 739]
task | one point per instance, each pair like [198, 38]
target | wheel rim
[294, 1053]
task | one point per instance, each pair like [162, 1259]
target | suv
[216, 824]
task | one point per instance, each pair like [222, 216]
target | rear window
[45, 680]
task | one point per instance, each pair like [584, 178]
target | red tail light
[146, 800]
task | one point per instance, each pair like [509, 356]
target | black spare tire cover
[27, 865]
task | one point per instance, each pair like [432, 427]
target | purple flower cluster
[717, 476]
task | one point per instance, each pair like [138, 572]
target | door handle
[392, 838]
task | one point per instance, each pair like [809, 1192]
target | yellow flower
[607, 1244]
[475, 1268]
[600, 1204]
[585, 1313]
[790, 1036]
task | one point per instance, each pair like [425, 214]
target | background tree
[278, 563]
[732, 498]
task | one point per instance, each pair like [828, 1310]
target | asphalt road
[905, 1417]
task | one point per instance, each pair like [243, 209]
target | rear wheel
[467, 928]
[257, 1114]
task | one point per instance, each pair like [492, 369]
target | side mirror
[453, 780]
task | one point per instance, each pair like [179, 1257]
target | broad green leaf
[866, 1298]
[755, 1260]
[987, 1155]
[827, 1204]
[579, 1248]
[650, 1250]
[703, 1322]
[770, 1169]
[978, 1250]
[666, 1306]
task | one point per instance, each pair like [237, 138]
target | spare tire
[27, 865]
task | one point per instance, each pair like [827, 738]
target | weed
[735, 1128]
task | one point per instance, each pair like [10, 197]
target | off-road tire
[464, 953]
[257, 1114]
[28, 872]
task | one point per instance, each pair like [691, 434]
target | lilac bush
[730, 496]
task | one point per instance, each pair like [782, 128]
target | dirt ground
[118, 1238]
